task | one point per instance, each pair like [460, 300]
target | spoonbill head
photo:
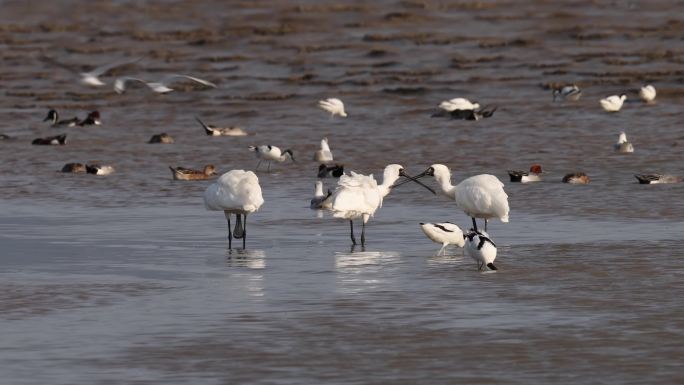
[238, 193]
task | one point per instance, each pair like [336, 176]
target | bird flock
[356, 197]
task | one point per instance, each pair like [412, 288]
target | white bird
[319, 201]
[91, 78]
[324, 154]
[445, 233]
[613, 103]
[458, 104]
[334, 106]
[161, 86]
[480, 196]
[480, 247]
[221, 131]
[271, 153]
[97, 169]
[235, 192]
[359, 196]
[571, 92]
[623, 145]
[647, 93]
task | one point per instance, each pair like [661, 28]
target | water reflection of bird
[236, 192]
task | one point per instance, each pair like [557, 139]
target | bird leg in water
[363, 234]
[351, 226]
[230, 235]
[244, 233]
[474, 224]
[485, 224]
[442, 251]
[238, 231]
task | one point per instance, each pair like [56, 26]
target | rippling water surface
[126, 278]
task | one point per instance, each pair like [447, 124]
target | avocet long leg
[442, 251]
[230, 235]
[351, 226]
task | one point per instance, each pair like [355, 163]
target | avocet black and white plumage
[445, 233]
[271, 154]
[647, 93]
[50, 140]
[480, 196]
[479, 246]
[534, 175]
[334, 106]
[323, 155]
[53, 117]
[622, 145]
[320, 199]
[359, 196]
[335, 171]
[91, 78]
[613, 103]
[657, 178]
[221, 131]
[161, 86]
[570, 92]
[238, 193]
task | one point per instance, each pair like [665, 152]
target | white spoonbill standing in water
[235, 192]
[480, 196]
[359, 196]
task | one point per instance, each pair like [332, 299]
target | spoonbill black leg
[474, 224]
[244, 233]
[351, 226]
[363, 234]
[230, 235]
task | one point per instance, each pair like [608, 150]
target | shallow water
[126, 279]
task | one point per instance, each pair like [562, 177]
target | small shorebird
[445, 233]
[657, 178]
[97, 169]
[324, 154]
[53, 117]
[236, 192]
[182, 173]
[162, 138]
[76, 168]
[320, 198]
[571, 92]
[161, 86]
[576, 178]
[271, 153]
[336, 171]
[480, 196]
[613, 103]
[534, 175]
[221, 131]
[334, 106]
[51, 140]
[480, 247]
[623, 145]
[647, 93]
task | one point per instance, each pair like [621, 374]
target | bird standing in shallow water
[480, 247]
[480, 196]
[445, 233]
[238, 193]
[647, 93]
[271, 153]
[359, 196]
[613, 103]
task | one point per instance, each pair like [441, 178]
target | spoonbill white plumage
[445, 233]
[359, 196]
[324, 154]
[613, 103]
[235, 192]
[271, 153]
[480, 196]
[647, 93]
[623, 145]
[571, 92]
[334, 106]
[320, 199]
[480, 247]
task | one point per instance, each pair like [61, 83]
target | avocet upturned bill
[445, 233]
[613, 103]
[271, 153]
[236, 192]
[161, 86]
[324, 155]
[647, 93]
[334, 106]
[359, 196]
[534, 175]
[623, 145]
[480, 247]
[480, 196]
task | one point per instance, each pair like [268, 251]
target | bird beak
[410, 178]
